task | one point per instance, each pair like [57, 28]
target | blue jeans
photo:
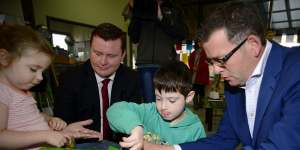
[146, 73]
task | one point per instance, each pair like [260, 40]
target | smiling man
[99, 82]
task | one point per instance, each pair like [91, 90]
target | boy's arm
[124, 116]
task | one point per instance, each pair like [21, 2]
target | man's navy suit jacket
[277, 121]
[77, 97]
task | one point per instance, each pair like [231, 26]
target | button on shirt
[99, 83]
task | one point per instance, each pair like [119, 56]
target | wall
[90, 12]
[13, 10]
[11, 7]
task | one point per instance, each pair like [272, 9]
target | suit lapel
[116, 92]
[236, 99]
[268, 85]
[91, 84]
[242, 117]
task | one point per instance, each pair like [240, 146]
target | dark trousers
[146, 77]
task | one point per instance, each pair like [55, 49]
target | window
[58, 40]
[289, 40]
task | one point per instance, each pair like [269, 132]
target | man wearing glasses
[262, 89]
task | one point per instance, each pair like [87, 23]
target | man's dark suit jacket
[77, 97]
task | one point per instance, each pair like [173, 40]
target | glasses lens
[222, 61]
[209, 61]
[219, 61]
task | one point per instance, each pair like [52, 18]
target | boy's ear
[4, 55]
[190, 96]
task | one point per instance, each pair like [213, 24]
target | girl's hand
[57, 124]
[57, 139]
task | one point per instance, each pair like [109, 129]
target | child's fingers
[129, 138]
[60, 125]
[57, 124]
[52, 124]
[128, 142]
[135, 147]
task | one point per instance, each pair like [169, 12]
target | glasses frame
[222, 61]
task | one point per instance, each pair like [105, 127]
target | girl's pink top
[23, 114]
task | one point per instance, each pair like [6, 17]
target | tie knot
[105, 81]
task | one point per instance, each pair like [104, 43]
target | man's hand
[135, 140]
[78, 131]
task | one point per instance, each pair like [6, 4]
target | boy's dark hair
[108, 31]
[173, 77]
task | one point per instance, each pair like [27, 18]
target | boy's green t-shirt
[124, 116]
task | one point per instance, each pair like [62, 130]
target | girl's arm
[18, 139]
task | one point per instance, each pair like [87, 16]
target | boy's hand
[135, 140]
[78, 131]
[57, 124]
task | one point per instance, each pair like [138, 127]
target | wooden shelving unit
[60, 59]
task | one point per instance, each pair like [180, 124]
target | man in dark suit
[79, 96]
[263, 84]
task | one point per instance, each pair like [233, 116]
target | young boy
[168, 121]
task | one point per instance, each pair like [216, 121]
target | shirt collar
[100, 79]
[260, 67]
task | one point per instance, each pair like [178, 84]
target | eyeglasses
[222, 61]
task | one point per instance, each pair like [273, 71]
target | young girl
[24, 55]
